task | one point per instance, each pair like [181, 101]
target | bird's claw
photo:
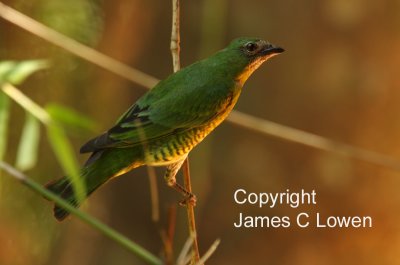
[189, 200]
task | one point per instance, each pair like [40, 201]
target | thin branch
[155, 206]
[298, 136]
[175, 51]
[168, 235]
[104, 229]
[171, 222]
[26, 103]
[209, 252]
[190, 212]
[75, 47]
[147, 81]
[175, 36]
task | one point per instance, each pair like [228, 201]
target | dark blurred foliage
[338, 78]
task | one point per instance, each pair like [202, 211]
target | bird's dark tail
[63, 188]
[98, 169]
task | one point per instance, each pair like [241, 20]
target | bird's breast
[176, 147]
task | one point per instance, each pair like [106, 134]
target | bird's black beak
[270, 49]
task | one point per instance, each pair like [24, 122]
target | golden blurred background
[338, 78]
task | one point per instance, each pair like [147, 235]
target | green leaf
[16, 72]
[64, 153]
[4, 117]
[28, 146]
[5, 68]
[71, 118]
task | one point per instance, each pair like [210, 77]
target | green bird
[167, 122]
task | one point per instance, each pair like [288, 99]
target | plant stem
[103, 228]
[26, 103]
[155, 206]
[175, 36]
[175, 51]
[190, 213]
[75, 47]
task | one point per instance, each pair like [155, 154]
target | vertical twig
[175, 50]
[190, 212]
[155, 208]
[175, 36]
[168, 236]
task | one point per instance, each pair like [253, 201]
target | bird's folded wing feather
[145, 122]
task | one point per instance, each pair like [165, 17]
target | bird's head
[247, 54]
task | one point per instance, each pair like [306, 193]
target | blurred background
[338, 78]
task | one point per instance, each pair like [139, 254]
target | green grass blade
[5, 68]
[4, 117]
[28, 146]
[26, 103]
[71, 118]
[21, 70]
[65, 155]
[103, 228]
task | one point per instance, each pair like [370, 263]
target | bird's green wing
[155, 116]
[134, 127]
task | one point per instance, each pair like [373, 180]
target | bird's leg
[169, 177]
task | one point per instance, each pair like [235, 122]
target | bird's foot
[190, 199]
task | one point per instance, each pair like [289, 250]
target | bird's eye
[251, 46]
